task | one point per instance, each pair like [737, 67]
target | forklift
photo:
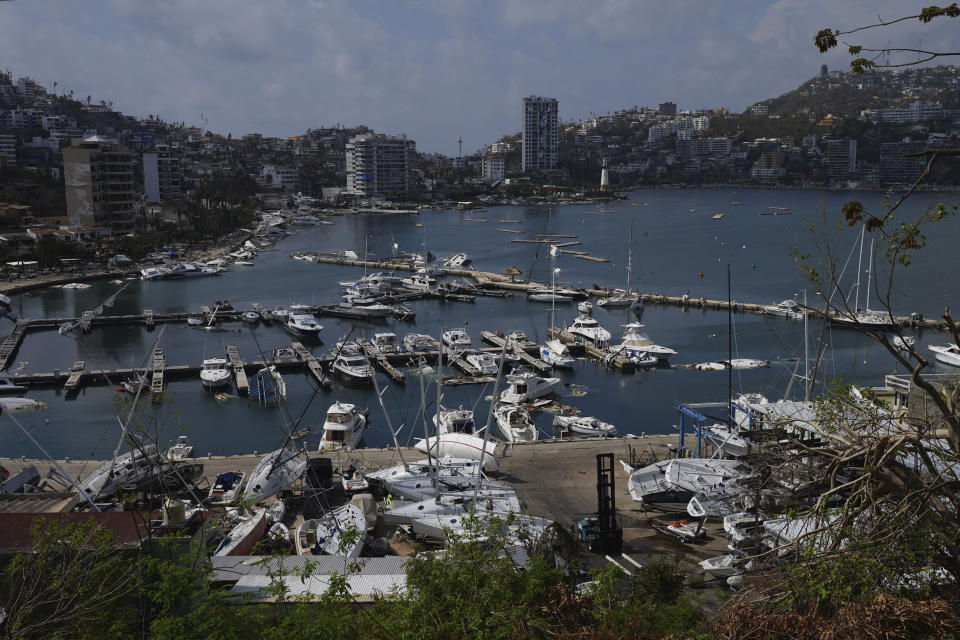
[602, 531]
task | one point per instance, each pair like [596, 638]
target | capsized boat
[415, 482]
[325, 535]
[721, 566]
[180, 450]
[133, 468]
[246, 532]
[482, 362]
[276, 471]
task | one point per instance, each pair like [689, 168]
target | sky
[436, 70]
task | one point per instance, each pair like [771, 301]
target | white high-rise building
[539, 133]
[492, 167]
[380, 166]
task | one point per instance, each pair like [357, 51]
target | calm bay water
[672, 246]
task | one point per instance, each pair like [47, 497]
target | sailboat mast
[426, 430]
[856, 306]
[729, 351]
[629, 258]
[806, 351]
[386, 416]
[869, 275]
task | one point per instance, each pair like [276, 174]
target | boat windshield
[338, 418]
[355, 361]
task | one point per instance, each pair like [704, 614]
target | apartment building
[380, 166]
[539, 133]
[163, 174]
[98, 179]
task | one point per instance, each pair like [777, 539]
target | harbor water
[678, 247]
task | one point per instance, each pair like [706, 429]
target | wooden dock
[381, 361]
[313, 364]
[10, 345]
[491, 338]
[618, 363]
[73, 378]
[262, 311]
[239, 372]
[157, 371]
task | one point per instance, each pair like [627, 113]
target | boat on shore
[246, 532]
[324, 536]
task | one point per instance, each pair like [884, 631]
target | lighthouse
[604, 177]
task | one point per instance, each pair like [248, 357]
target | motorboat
[682, 530]
[214, 372]
[267, 386]
[280, 313]
[669, 485]
[556, 354]
[583, 426]
[250, 317]
[457, 260]
[365, 307]
[247, 531]
[343, 428]
[548, 295]
[640, 359]
[789, 308]
[195, 320]
[526, 386]
[731, 443]
[353, 367]
[585, 307]
[458, 420]
[514, 423]
[947, 354]
[9, 386]
[586, 329]
[721, 566]
[460, 445]
[276, 471]
[456, 339]
[351, 479]
[226, 487]
[180, 450]
[518, 338]
[419, 282]
[903, 343]
[417, 342]
[325, 536]
[303, 325]
[636, 342]
[483, 362]
[386, 343]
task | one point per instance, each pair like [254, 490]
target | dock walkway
[239, 372]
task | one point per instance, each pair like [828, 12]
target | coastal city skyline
[447, 71]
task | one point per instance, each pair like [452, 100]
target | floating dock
[239, 372]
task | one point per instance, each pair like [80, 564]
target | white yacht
[635, 342]
[548, 295]
[276, 471]
[280, 313]
[180, 450]
[343, 429]
[485, 363]
[419, 282]
[365, 307]
[303, 325]
[214, 372]
[458, 420]
[323, 536]
[456, 339]
[515, 423]
[947, 354]
[415, 342]
[527, 386]
[789, 308]
[586, 329]
[461, 445]
[386, 343]
[585, 307]
[556, 354]
[353, 367]
[583, 426]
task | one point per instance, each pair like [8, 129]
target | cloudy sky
[433, 69]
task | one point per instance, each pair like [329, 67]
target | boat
[731, 443]
[352, 480]
[458, 260]
[303, 325]
[458, 420]
[669, 485]
[243, 263]
[250, 317]
[903, 343]
[583, 426]
[587, 330]
[179, 270]
[195, 320]
[415, 480]
[324, 536]
[276, 471]
[280, 313]
[180, 450]
[15, 405]
[483, 362]
[721, 566]
[226, 487]
[514, 423]
[419, 282]
[267, 386]
[627, 298]
[547, 295]
[9, 386]
[526, 386]
[343, 427]
[789, 308]
[556, 354]
[947, 354]
[682, 530]
[364, 307]
[585, 307]
[636, 342]
[132, 468]
[456, 339]
[386, 343]
[417, 342]
[863, 318]
[353, 367]
[246, 532]
[214, 372]
[460, 445]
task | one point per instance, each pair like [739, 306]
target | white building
[380, 166]
[283, 176]
[163, 174]
[701, 123]
[539, 133]
[492, 168]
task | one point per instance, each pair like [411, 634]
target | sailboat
[865, 318]
[627, 298]
[554, 352]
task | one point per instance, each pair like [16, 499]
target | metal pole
[729, 351]
[386, 416]
[486, 429]
[426, 432]
[806, 351]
